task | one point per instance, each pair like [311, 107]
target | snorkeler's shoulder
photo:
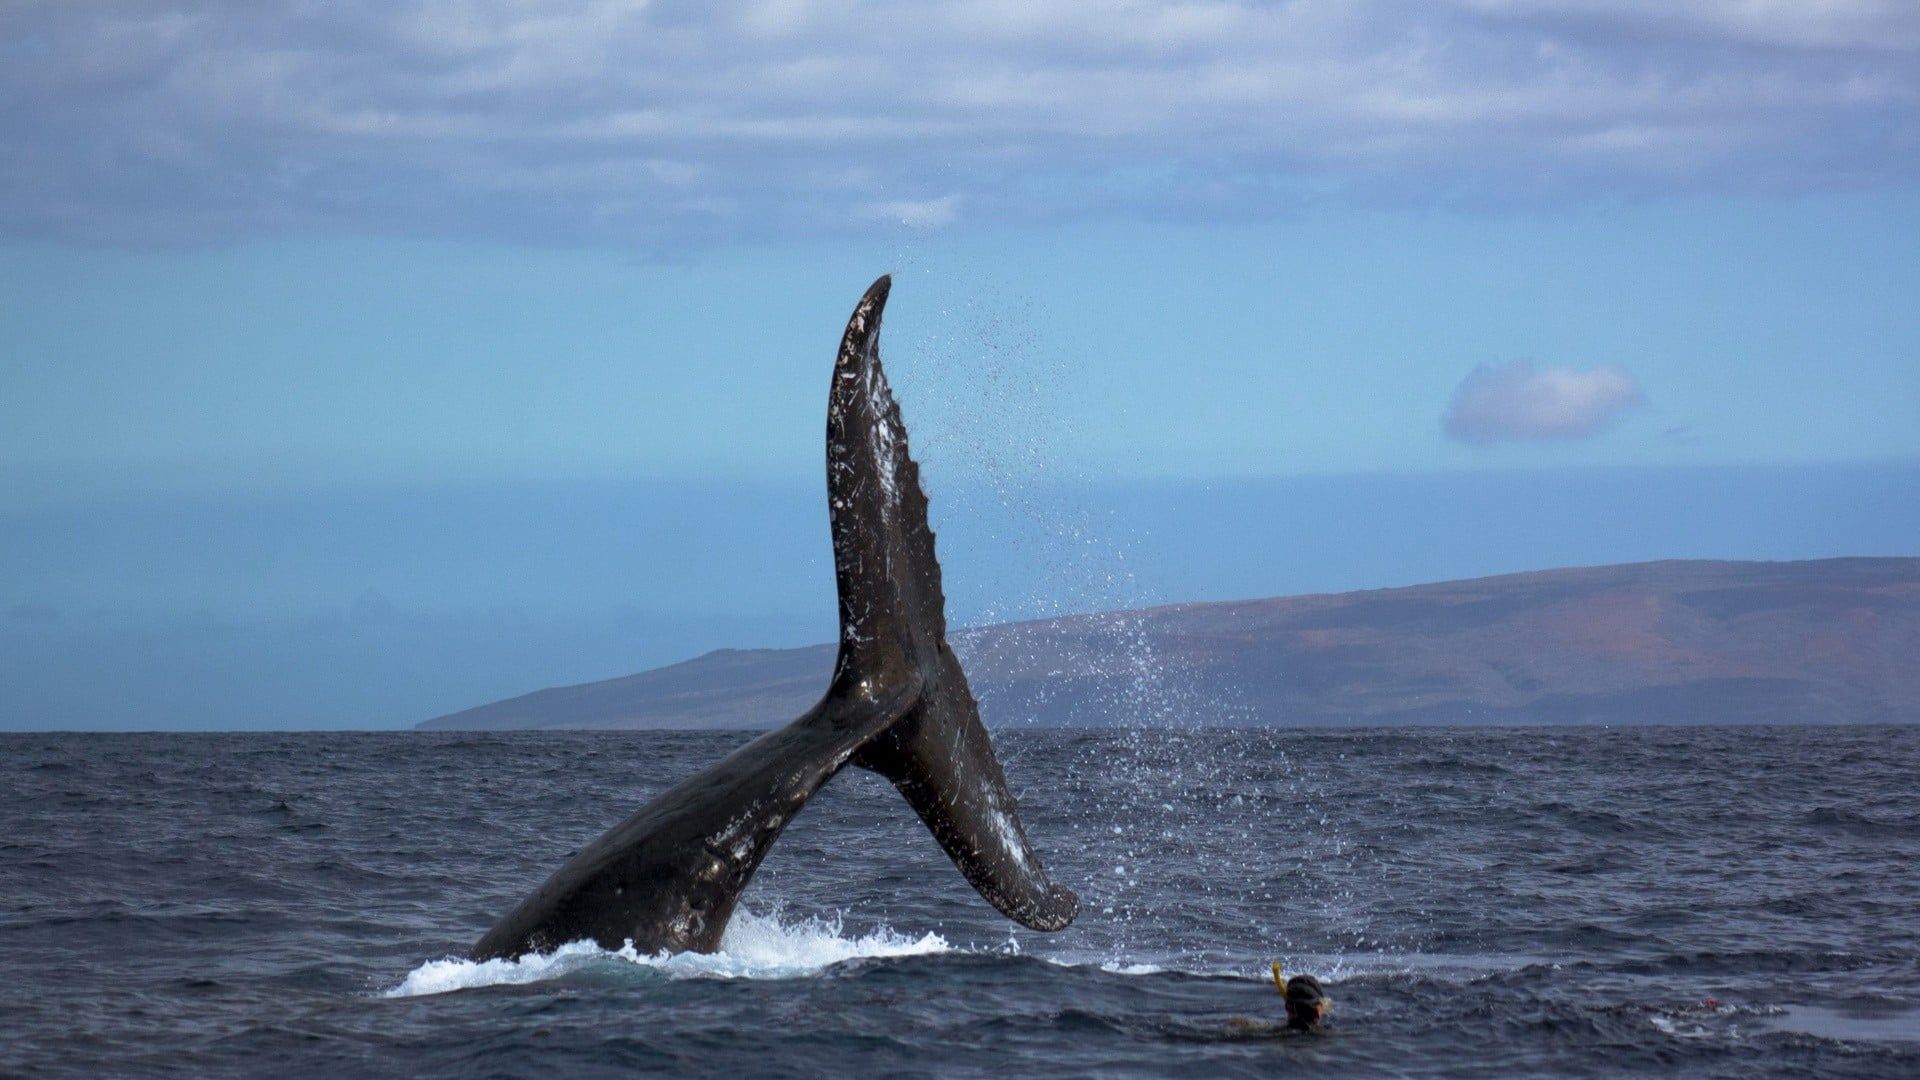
[1247, 1027]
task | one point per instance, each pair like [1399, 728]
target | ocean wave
[754, 947]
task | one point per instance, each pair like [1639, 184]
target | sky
[364, 361]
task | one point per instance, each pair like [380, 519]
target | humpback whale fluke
[938, 755]
[668, 877]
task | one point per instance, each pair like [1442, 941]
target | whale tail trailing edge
[893, 632]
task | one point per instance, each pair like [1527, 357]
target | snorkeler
[1307, 1007]
[1307, 1000]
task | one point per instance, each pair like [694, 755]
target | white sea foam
[767, 947]
[754, 947]
[1116, 967]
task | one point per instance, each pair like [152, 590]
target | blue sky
[355, 295]
[1752, 331]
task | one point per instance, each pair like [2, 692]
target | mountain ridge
[1673, 641]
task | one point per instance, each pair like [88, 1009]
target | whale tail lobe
[893, 632]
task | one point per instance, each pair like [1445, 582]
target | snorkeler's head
[1307, 1003]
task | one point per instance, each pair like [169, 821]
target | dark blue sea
[1673, 901]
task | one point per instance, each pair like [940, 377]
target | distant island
[1832, 641]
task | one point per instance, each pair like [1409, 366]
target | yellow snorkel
[1279, 980]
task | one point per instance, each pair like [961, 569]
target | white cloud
[125, 120]
[1518, 402]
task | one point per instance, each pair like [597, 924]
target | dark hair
[1305, 990]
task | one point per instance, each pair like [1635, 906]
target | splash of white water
[754, 947]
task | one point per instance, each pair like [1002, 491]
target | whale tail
[670, 875]
[893, 632]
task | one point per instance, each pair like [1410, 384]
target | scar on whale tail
[668, 878]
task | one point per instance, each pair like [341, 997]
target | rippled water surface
[1696, 901]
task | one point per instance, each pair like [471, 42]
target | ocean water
[1698, 901]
